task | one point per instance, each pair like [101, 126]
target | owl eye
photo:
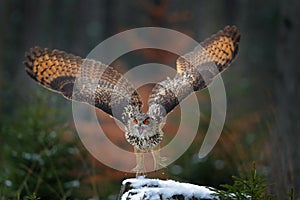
[135, 121]
[146, 121]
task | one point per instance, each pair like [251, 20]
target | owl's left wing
[83, 80]
[195, 71]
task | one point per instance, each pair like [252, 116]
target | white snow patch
[155, 188]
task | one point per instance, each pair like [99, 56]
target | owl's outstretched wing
[195, 71]
[83, 80]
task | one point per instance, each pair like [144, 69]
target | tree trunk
[286, 138]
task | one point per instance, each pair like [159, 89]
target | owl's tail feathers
[52, 68]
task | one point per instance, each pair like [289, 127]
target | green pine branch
[250, 186]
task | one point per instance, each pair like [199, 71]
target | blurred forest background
[40, 151]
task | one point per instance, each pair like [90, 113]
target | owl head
[142, 125]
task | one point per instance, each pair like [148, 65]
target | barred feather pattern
[83, 80]
[195, 71]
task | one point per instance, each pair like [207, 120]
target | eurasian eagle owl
[105, 88]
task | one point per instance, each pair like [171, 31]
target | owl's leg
[159, 162]
[140, 166]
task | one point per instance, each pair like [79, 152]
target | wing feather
[221, 48]
[195, 71]
[83, 80]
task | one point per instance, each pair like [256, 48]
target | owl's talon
[163, 161]
[140, 166]
[139, 170]
[159, 161]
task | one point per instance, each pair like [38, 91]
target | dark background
[40, 151]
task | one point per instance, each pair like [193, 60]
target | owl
[95, 83]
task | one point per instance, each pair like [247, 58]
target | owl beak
[140, 129]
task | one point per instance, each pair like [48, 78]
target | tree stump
[155, 189]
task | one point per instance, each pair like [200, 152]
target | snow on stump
[155, 189]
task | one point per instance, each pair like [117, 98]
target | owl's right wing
[83, 80]
[195, 71]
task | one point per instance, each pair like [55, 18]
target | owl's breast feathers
[144, 144]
